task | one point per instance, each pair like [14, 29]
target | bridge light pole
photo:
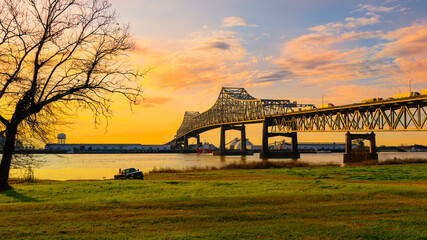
[410, 90]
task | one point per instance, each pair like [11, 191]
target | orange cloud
[322, 58]
[349, 23]
[236, 21]
[154, 101]
[207, 59]
[408, 42]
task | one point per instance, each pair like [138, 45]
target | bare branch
[59, 56]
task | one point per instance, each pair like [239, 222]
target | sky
[341, 51]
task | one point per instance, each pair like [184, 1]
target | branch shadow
[22, 198]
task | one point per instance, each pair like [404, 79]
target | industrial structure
[308, 147]
[105, 148]
[235, 107]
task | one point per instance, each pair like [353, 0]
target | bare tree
[58, 56]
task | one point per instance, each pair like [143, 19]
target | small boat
[307, 151]
[323, 151]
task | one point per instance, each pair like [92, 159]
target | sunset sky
[346, 51]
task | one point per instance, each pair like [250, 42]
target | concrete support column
[242, 150]
[198, 141]
[348, 143]
[294, 143]
[185, 142]
[264, 150]
[174, 145]
[243, 138]
[350, 156]
[373, 148]
[222, 140]
[266, 153]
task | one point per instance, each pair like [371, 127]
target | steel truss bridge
[235, 107]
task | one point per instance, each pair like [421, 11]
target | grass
[403, 161]
[27, 177]
[286, 164]
[364, 202]
[245, 165]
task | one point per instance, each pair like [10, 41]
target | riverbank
[368, 202]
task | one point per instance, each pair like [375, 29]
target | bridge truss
[407, 114]
[234, 106]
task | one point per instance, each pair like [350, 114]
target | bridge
[235, 107]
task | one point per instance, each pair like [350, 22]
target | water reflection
[99, 166]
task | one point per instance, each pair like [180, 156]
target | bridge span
[235, 107]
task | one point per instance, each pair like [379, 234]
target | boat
[204, 149]
[307, 151]
[323, 151]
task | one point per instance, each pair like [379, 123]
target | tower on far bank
[61, 138]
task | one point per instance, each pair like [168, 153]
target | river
[100, 166]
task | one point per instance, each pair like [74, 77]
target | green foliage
[371, 202]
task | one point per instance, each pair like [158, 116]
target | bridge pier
[243, 150]
[177, 145]
[351, 156]
[185, 142]
[182, 144]
[222, 140]
[198, 141]
[267, 153]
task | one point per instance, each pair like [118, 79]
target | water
[99, 166]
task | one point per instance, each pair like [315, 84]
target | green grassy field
[371, 202]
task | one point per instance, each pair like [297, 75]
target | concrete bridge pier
[243, 150]
[174, 144]
[183, 145]
[198, 141]
[177, 145]
[267, 153]
[358, 155]
[185, 142]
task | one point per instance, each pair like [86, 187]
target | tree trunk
[8, 149]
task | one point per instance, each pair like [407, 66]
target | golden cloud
[152, 101]
[207, 59]
[321, 57]
[236, 21]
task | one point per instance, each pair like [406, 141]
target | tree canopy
[57, 56]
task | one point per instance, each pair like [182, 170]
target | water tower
[61, 138]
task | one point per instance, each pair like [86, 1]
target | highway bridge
[235, 107]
